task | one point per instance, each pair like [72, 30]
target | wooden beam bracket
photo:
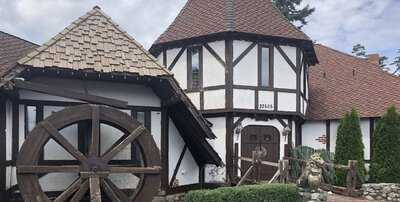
[51, 90]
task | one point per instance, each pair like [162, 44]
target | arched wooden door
[266, 137]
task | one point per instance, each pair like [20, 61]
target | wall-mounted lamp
[286, 131]
[238, 131]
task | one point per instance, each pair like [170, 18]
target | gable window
[265, 72]
[194, 67]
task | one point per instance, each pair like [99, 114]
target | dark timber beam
[172, 65]
[328, 135]
[178, 165]
[43, 88]
[245, 52]
[293, 66]
[3, 150]
[164, 149]
[215, 54]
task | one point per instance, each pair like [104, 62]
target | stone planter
[381, 191]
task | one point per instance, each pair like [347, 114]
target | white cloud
[343, 23]
[38, 20]
[336, 23]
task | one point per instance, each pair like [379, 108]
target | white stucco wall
[245, 72]
[195, 98]
[214, 99]
[189, 171]
[286, 101]
[156, 127]
[284, 76]
[266, 100]
[239, 47]
[243, 99]
[312, 130]
[214, 71]
[213, 173]
[180, 68]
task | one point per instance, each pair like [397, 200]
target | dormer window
[265, 70]
[194, 67]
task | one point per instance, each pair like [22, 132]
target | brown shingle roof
[205, 17]
[12, 48]
[349, 82]
[95, 42]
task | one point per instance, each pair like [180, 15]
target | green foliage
[385, 161]
[304, 153]
[349, 146]
[289, 8]
[382, 62]
[396, 62]
[248, 193]
[359, 50]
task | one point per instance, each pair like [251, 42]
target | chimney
[373, 58]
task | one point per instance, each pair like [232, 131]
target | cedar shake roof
[12, 48]
[341, 81]
[95, 42]
[206, 17]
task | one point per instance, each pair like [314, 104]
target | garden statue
[312, 175]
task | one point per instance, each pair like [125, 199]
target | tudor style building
[245, 67]
[261, 81]
[92, 108]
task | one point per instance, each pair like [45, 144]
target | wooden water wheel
[93, 168]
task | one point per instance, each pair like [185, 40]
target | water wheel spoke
[95, 193]
[35, 169]
[110, 192]
[81, 192]
[113, 191]
[95, 141]
[69, 191]
[135, 170]
[63, 142]
[119, 147]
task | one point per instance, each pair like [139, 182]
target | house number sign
[266, 106]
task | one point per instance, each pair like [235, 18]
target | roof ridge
[230, 15]
[19, 38]
[151, 57]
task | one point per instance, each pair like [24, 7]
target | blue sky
[337, 23]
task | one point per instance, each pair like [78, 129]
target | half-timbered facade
[244, 66]
[94, 62]
[257, 79]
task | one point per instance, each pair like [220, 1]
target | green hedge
[248, 193]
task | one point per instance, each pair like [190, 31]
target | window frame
[271, 65]
[190, 68]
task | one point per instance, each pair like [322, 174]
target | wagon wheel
[93, 168]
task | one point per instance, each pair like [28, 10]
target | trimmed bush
[349, 146]
[385, 161]
[304, 153]
[247, 193]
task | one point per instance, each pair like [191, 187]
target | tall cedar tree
[349, 146]
[290, 9]
[385, 162]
